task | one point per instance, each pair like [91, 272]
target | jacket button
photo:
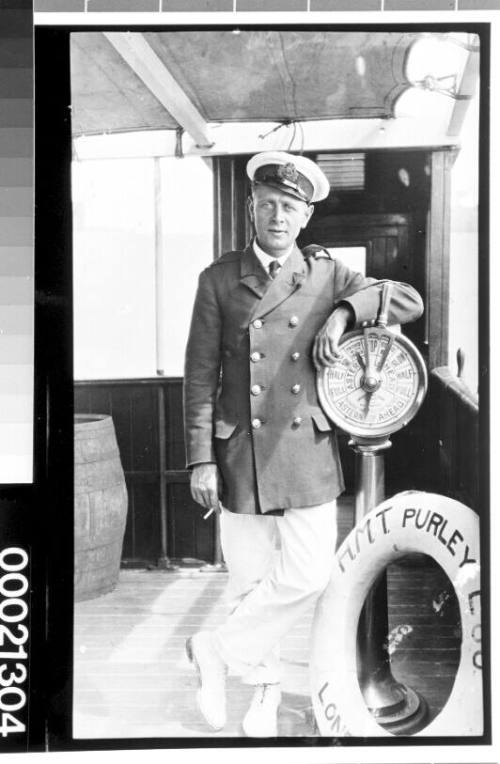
[294, 320]
[256, 389]
[257, 324]
[255, 357]
[295, 389]
[297, 421]
[256, 423]
[295, 356]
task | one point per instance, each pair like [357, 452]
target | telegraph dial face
[377, 384]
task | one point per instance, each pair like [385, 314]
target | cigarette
[207, 514]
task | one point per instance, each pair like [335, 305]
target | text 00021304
[13, 638]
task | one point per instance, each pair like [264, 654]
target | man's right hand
[205, 483]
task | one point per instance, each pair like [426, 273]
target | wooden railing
[455, 428]
[163, 522]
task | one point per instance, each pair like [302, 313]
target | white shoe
[211, 696]
[261, 719]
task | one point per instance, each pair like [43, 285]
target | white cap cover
[293, 174]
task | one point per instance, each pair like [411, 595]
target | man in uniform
[259, 445]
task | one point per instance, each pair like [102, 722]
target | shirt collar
[266, 259]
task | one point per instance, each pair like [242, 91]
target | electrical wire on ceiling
[285, 123]
[289, 106]
[314, 58]
[290, 75]
[303, 138]
[294, 124]
[289, 89]
[300, 127]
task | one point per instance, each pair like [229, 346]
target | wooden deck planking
[132, 679]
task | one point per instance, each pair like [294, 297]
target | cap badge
[288, 172]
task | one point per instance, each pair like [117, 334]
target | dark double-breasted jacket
[250, 399]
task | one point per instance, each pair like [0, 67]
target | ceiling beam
[139, 55]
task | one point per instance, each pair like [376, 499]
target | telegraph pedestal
[395, 706]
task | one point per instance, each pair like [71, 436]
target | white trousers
[278, 567]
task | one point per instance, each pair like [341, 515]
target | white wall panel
[120, 250]
[113, 269]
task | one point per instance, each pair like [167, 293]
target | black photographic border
[51, 513]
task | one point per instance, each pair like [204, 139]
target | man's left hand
[326, 344]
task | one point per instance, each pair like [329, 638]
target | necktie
[274, 267]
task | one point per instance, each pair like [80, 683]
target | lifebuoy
[412, 521]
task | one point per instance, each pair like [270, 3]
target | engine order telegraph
[377, 384]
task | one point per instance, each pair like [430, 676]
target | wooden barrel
[100, 506]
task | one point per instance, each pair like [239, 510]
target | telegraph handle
[383, 316]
